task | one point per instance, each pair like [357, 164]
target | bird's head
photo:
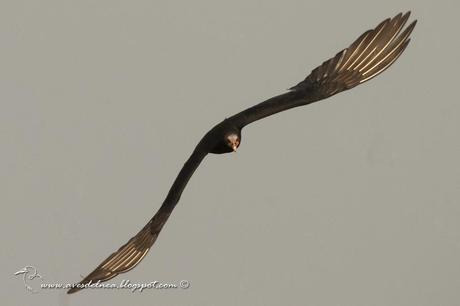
[233, 141]
[226, 139]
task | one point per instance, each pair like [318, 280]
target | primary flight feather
[369, 55]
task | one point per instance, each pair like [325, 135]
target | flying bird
[369, 55]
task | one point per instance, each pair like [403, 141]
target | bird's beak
[234, 147]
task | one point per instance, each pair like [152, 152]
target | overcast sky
[351, 201]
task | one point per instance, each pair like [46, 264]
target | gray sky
[352, 201]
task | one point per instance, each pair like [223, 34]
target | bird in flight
[369, 55]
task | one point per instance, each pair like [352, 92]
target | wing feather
[126, 257]
[131, 253]
[369, 55]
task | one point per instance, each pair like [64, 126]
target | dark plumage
[373, 52]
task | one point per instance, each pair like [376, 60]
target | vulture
[368, 56]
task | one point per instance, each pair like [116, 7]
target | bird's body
[368, 56]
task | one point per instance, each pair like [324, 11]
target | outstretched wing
[130, 254]
[126, 258]
[372, 53]
[368, 56]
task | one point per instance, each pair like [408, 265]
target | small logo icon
[29, 273]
